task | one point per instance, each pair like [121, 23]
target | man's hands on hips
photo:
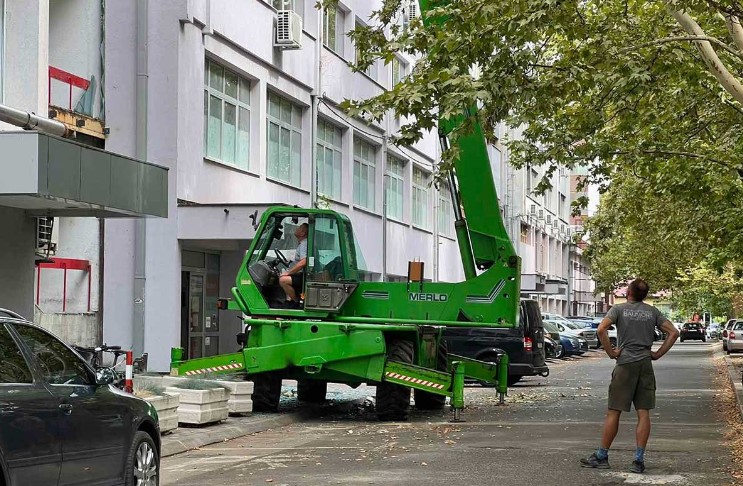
[614, 353]
[655, 355]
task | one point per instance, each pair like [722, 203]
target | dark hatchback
[524, 343]
[693, 330]
[63, 423]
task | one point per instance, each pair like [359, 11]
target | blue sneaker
[638, 467]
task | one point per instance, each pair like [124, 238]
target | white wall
[75, 47]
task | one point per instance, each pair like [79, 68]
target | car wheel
[560, 353]
[266, 392]
[143, 463]
[724, 346]
[704, 340]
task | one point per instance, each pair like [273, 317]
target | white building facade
[198, 87]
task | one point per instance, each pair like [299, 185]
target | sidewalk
[734, 364]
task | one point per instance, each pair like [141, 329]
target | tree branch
[681, 38]
[736, 31]
[715, 65]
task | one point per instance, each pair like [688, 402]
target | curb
[734, 375]
[232, 429]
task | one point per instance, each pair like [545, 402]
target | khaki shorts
[632, 383]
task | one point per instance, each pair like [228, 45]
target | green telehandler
[381, 333]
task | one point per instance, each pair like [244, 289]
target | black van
[524, 343]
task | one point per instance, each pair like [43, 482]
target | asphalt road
[536, 439]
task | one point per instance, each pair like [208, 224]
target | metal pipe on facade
[140, 228]
[316, 107]
[31, 121]
[384, 204]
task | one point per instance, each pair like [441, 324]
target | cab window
[326, 264]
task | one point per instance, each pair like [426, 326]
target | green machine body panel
[344, 330]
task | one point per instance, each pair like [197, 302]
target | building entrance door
[199, 316]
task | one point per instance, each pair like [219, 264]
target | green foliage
[616, 86]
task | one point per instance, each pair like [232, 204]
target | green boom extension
[345, 330]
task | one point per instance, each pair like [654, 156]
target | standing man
[633, 380]
[293, 278]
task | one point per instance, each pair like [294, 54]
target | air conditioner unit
[46, 236]
[288, 33]
[549, 219]
[533, 210]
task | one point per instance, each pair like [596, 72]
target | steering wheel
[283, 259]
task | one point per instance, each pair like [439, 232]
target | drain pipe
[140, 228]
[31, 121]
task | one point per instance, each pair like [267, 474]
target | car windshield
[549, 327]
[574, 325]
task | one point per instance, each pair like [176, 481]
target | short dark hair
[638, 289]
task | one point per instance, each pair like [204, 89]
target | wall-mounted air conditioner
[288, 34]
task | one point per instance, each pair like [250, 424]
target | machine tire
[432, 401]
[724, 346]
[266, 392]
[393, 401]
[704, 339]
[312, 391]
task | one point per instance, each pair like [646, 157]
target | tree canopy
[646, 94]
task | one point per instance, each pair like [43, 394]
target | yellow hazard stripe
[417, 381]
[233, 366]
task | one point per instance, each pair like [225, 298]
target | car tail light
[731, 335]
[527, 344]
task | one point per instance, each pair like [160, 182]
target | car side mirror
[105, 376]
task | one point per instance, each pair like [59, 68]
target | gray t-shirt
[300, 253]
[635, 323]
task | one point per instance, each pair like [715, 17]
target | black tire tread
[266, 392]
[393, 401]
[139, 437]
[431, 401]
[312, 391]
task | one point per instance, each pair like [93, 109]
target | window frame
[373, 70]
[293, 129]
[292, 3]
[22, 352]
[370, 164]
[395, 174]
[402, 70]
[446, 212]
[416, 189]
[242, 108]
[339, 28]
[336, 149]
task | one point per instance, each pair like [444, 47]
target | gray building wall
[17, 261]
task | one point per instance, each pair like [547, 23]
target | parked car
[693, 330]
[735, 337]
[524, 344]
[712, 331]
[612, 334]
[61, 422]
[552, 348]
[725, 329]
[573, 329]
[571, 344]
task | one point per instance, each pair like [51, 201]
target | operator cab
[330, 265]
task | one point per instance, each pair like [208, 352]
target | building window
[531, 181]
[364, 173]
[226, 116]
[329, 159]
[284, 139]
[371, 71]
[394, 191]
[332, 26]
[445, 211]
[296, 5]
[524, 233]
[399, 70]
[563, 206]
[420, 198]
